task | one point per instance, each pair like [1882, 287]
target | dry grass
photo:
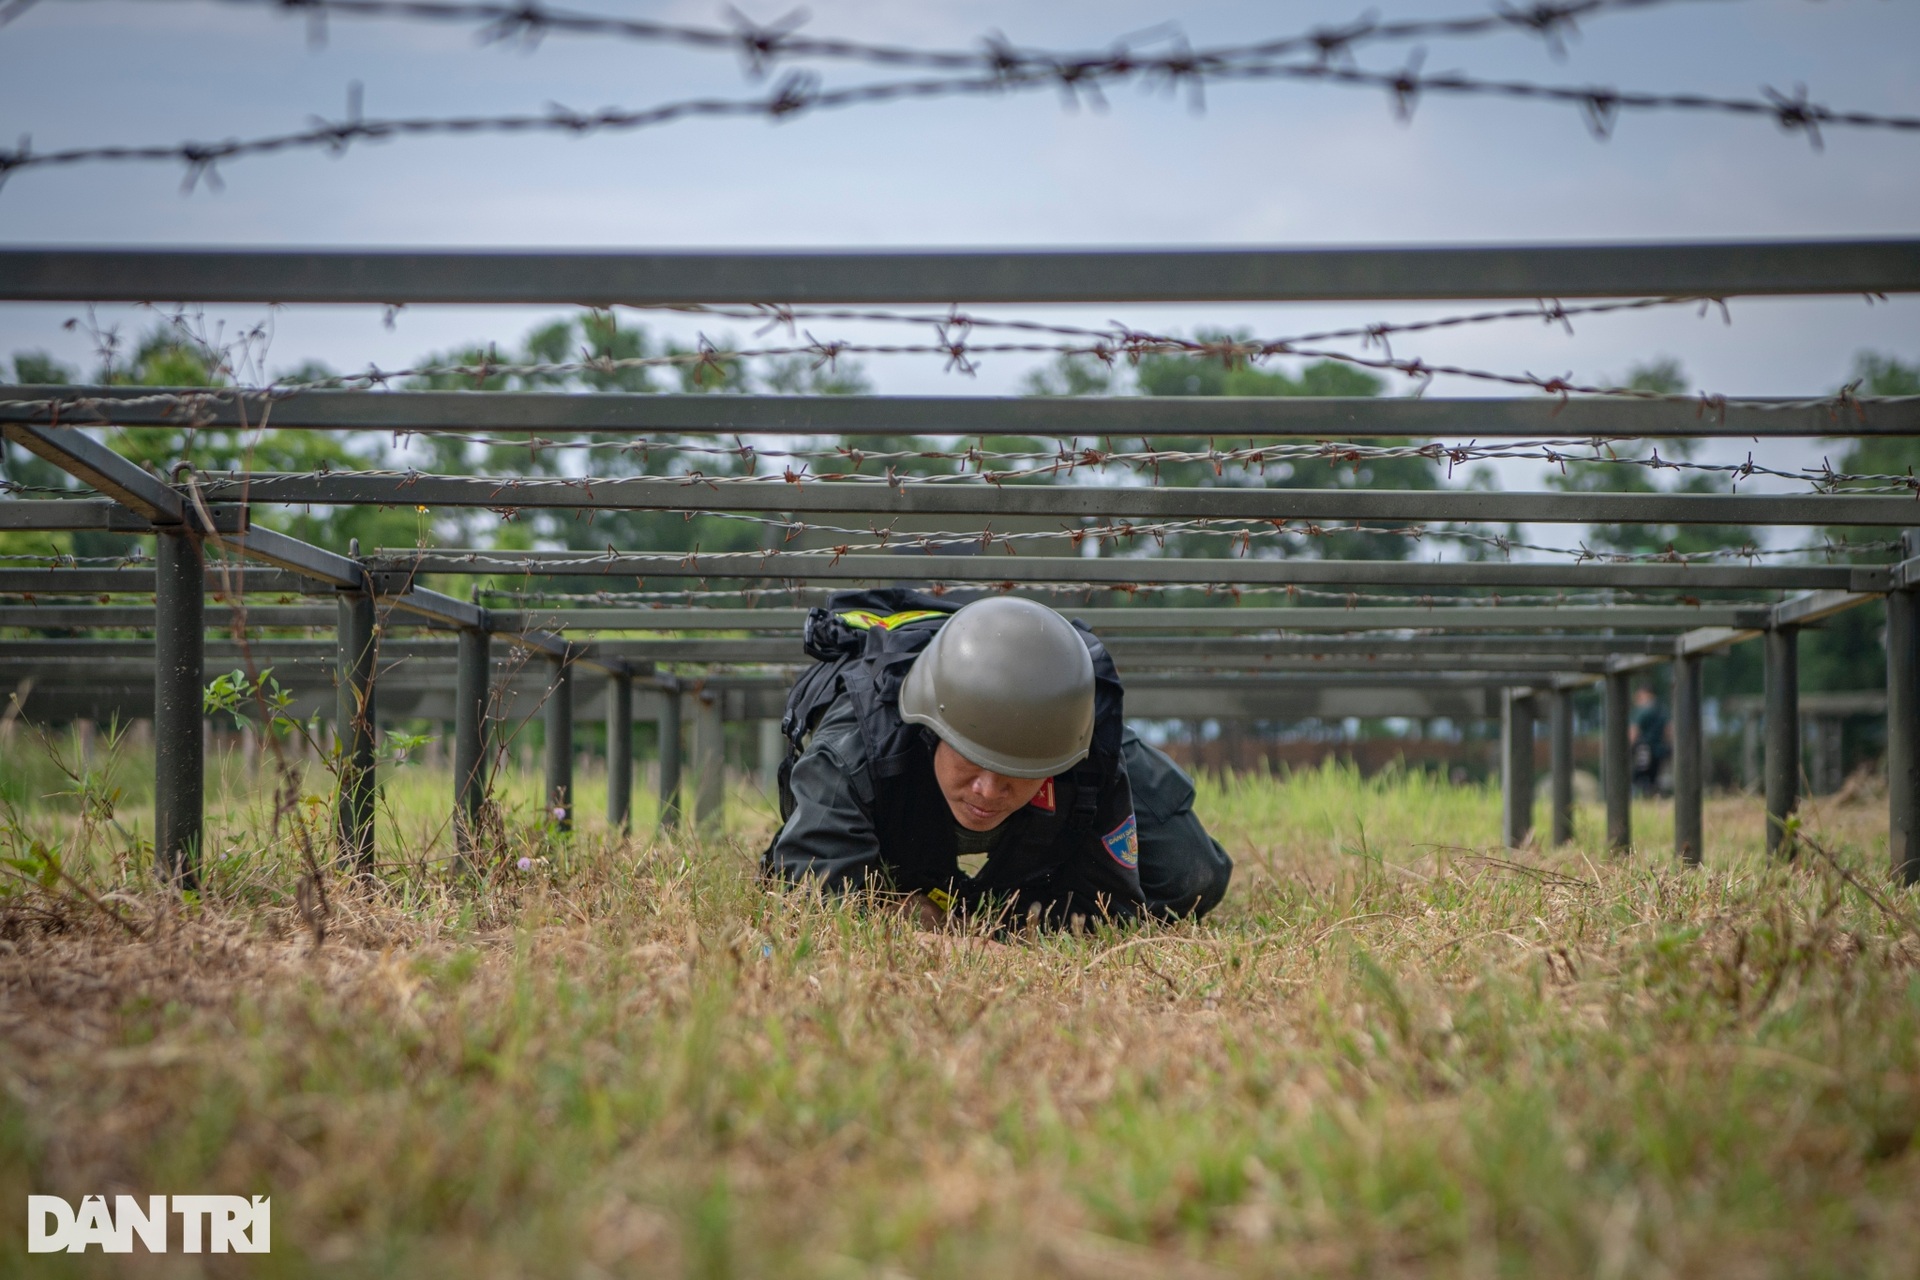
[1393, 1050]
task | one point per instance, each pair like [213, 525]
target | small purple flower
[526, 864]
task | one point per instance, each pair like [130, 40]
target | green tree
[1197, 375]
[1666, 376]
[1848, 650]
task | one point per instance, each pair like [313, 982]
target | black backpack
[853, 624]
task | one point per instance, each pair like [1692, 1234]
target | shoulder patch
[1123, 843]
[1043, 798]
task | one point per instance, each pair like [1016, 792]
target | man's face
[980, 798]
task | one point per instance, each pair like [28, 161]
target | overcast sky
[1264, 164]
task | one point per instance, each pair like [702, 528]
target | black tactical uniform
[1115, 836]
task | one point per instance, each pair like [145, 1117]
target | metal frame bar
[1782, 735]
[1060, 417]
[1516, 766]
[672, 707]
[1056, 501]
[640, 278]
[179, 727]
[787, 566]
[356, 726]
[1903, 724]
[558, 709]
[1689, 760]
[471, 773]
[1616, 765]
[620, 752]
[1560, 756]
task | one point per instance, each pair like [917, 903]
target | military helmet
[1008, 683]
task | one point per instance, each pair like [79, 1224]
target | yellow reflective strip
[912, 615]
[866, 620]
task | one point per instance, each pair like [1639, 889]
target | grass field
[1395, 1049]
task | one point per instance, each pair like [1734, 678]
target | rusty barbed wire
[1439, 603]
[955, 349]
[1110, 346]
[1074, 458]
[1241, 536]
[1246, 532]
[800, 92]
[1550, 311]
[762, 46]
[66, 560]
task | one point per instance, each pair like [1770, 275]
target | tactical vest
[864, 642]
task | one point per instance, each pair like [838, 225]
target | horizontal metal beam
[787, 648]
[1504, 617]
[1078, 417]
[1067, 501]
[979, 275]
[1118, 629]
[1711, 640]
[136, 617]
[404, 700]
[1133, 654]
[1803, 610]
[1137, 569]
[103, 515]
[92, 463]
[101, 582]
[129, 668]
[303, 558]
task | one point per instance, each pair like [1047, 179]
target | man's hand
[924, 912]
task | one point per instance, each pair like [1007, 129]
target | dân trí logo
[208, 1224]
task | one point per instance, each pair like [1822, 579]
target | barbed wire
[958, 353]
[1241, 535]
[1109, 345]
[800, 92]
[1550, 311]
[764, 45]
[1246, 532]
[793, 567]
[1232, 591]
[1074, 458]
[66, 560]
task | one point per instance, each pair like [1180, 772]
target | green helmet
[1007, 683]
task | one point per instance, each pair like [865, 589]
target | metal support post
[1516, 766]
[1783, 735]
[1903, 729]
[470, 699]
[670, 700]
[620, 751]
[709, 761]
[1616, 769]
[1560, 739]
[773, 749]
[356, 720]
[1689, 760]
[559, 726]
[179, 721]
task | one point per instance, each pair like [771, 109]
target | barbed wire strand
[1233, 591]
[800, 92]
[762, 46]
[1076, 458]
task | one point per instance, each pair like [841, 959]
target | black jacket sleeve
[830, 835]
